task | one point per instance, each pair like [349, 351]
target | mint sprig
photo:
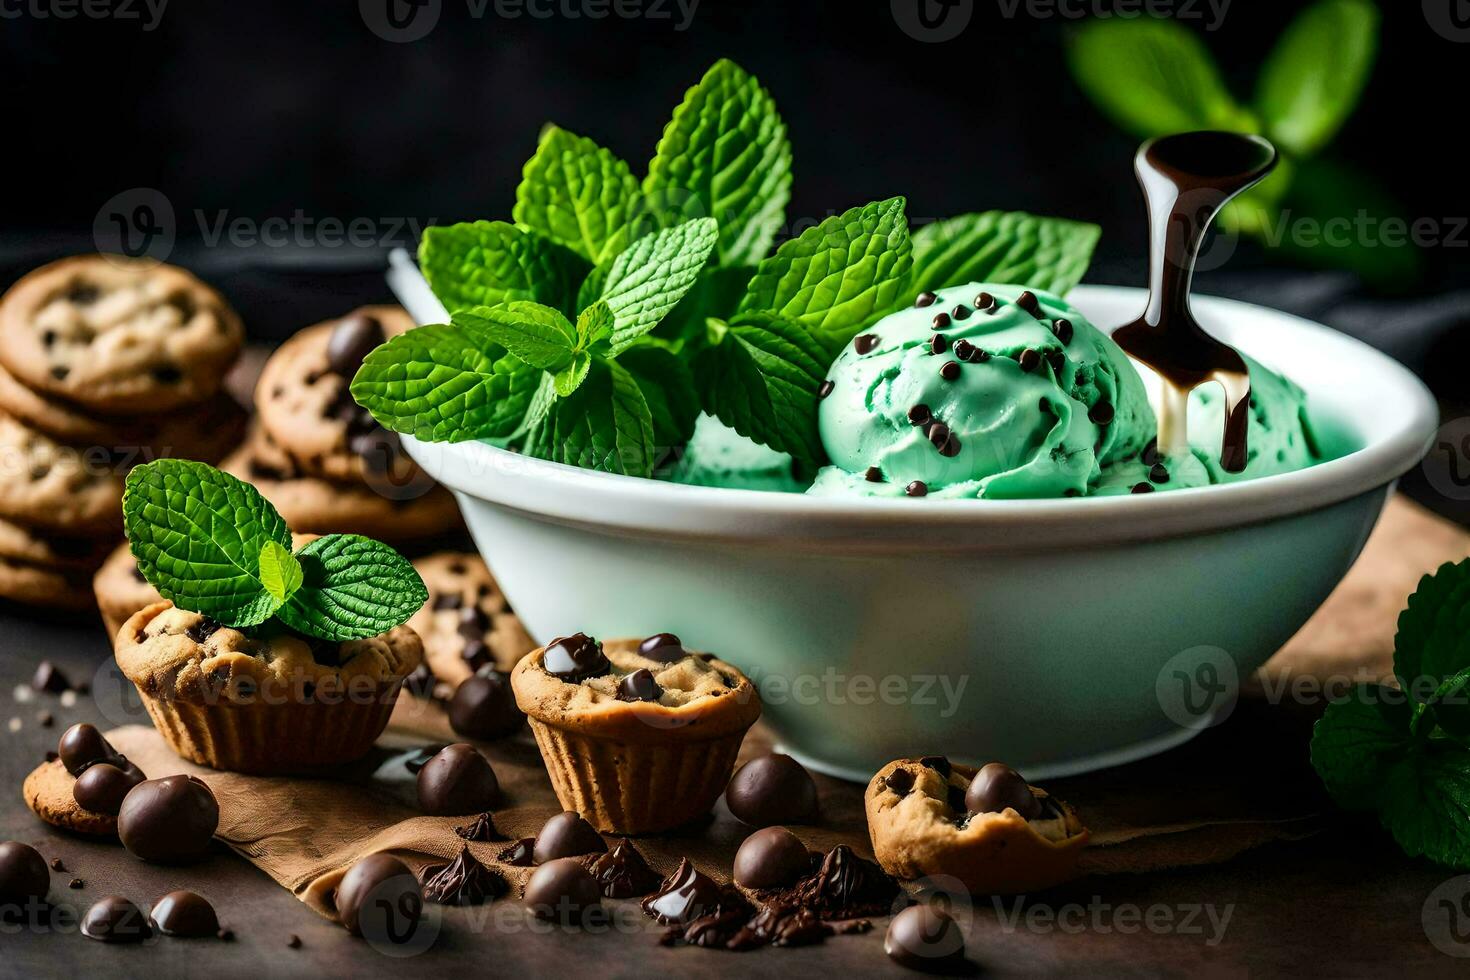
[483, 263]
[210, 543]
[1002, 246]
[1402, 752]
[579, 194]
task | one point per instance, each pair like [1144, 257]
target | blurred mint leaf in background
[1313, 79]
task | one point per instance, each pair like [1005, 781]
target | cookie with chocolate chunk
[117, 335]
[23, 544]
[40, 585]
[46, 484]
[305, 404]
[467, 622]
[49, 791]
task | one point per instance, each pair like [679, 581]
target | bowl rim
[595, 500]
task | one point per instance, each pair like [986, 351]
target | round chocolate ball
[925, 938]
[770, 858]
[24, 878]
[997, 786]
[82, 745]
[567, 835]
[352, 339]
[562, 891]
[457, 782]
[377, 896]
[772, 789]
[114, 919]
[102, 787]
[169, 820]
[183, 913]
[484, 706]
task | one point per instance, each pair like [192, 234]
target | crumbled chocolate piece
[622, 872]
[684, 896]
[482, 828]
[463, 881]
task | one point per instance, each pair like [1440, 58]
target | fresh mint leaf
[1314, 77]
[541, 403]
[1152, 76]
[198, 534]
[280, 572]
[577, 193]
[837, 276]
[667, 384]
[353, 588]
[762, 378]
[594, 324]
[604, 425]
[1433, 639]
[716, 293]
[446, 383]
[1425, 802]
[649, 279]
[538, 335]
[1357, 740]
[725, 154]
[1002, 246]
[486, 263]
[569, 378]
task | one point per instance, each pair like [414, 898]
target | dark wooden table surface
[1344, 902]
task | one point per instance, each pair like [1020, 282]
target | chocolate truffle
[621, 872]
[665, 647]
[457, 782]
[83, 745]
[925, 938]
[684, 895]
[114, 919]
[374, 893]
[484, 706]
[567, 835]
[185, 914]
[23, 877]
[463, 881]
[352, 339]
[102, 787]
[169, 820]
[770, 858]
[575, 658]
[997, 786]
[562, 891]
[772, 789]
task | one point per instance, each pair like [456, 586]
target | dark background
[267, 108]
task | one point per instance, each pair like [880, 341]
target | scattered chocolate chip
[1029, 360]
[293, 941]
[168, 821]
[463, 881]
[825, 389]
[925, 938]
[226, 935]
[457, 782]
[476, 655]
[639, 686]
[621, 872]
[663, 647]
[167, 374]
[575, 658]
[46, 719]
[942, 321]
[901, 781]
[563, 891]
[75, 883]
[865, 343]
[185, 914]
[482, 828]
[352, 339]
[1063, 330]
[114, 919]
[49, 679]
[772, 789]
[1143, 488]
[484, 706]
[1158, 473]
[567, 835]
[59, 372]
[950, 371]
[1100, 414]
[997, 787]
[917, 489]
[102, 787]
[374, 893]
[960, 312]
[920, 415]
[1028, 302]
[473, 622]
[24, 880]
[771, 857]
[683, 896]
[82, 293]
[57, 865]
[521, 854]
[924, 299]
[874, 474]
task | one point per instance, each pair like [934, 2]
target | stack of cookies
[105, 362]
[320, 458]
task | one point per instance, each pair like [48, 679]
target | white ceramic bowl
[1056, 635]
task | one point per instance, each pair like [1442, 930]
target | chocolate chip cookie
[22, 544]
[305, 405]
[46, 484]
[117, 335]
[42, 585]
[467, 622]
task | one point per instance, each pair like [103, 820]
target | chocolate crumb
[227, 935]
[56, 865]
[873, 475]
[294, 941]
[481, 829]
[520, 854]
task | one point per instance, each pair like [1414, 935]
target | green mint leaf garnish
[577, 193]
[1152, 76]
[538, 335]
[1314, 77]
[485, 263]
[570, 378]
[837, 276]
[725, 154]
[716, 293]
[198, 534]
[1433, 639]
[1357, 738]
[762, 378]
[353, 588]
[667, 384]
[652, 275]
[594, 324]
[604, 425]
[446, 383]
[1002, 246]
[280, 572]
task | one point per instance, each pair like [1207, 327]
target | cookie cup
[264, 706]
[638, 767]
